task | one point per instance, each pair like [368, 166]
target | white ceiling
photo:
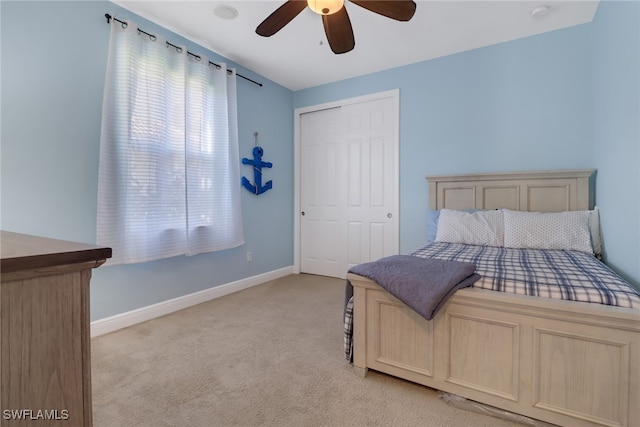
[299, 57]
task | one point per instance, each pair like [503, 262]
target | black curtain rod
[178, 48]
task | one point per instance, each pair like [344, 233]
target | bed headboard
[546, 191]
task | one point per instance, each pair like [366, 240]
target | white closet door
[323, 225]
[348, 186]
[372, 217]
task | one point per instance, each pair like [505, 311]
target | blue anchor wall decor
[258, 164]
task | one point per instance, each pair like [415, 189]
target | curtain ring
[124, 24]
[152, 37]
[176, 47]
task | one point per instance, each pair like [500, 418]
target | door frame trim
[395, 95]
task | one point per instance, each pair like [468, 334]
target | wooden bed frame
[567, 363]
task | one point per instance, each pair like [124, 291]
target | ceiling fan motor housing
[325, 7]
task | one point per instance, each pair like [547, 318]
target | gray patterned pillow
[548, 230]
[484, 228]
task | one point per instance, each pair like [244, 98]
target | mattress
[566, 275]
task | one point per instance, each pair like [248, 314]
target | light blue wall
[53, 63]
[616, 105]
[520, 105]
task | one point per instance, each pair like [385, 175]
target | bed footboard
[567, 363]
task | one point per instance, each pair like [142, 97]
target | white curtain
[169, 164]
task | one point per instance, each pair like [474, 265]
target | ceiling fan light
[325, 7]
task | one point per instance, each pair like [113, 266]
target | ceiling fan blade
[400, 10]
[339, 32]
[281, 17]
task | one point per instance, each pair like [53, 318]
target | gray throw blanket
[424, 284]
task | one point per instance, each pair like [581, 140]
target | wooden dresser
[45, 355]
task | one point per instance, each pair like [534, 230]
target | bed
[563, 362]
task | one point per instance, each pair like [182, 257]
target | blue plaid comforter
[567, 275]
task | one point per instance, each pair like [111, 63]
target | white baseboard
[119, 321]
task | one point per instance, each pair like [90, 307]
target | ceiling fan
[337, 25]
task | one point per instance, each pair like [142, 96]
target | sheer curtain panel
[169, 164]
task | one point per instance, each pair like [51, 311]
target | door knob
[389, 215]
[302, 213]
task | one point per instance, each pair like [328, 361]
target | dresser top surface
[23, 251]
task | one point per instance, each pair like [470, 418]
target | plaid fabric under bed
[567, 275]
[348, 331]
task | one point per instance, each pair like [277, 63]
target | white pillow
[483, 228]
[549, 230]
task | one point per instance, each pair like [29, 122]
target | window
[169, 165]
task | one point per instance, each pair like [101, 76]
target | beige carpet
[270, 355]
